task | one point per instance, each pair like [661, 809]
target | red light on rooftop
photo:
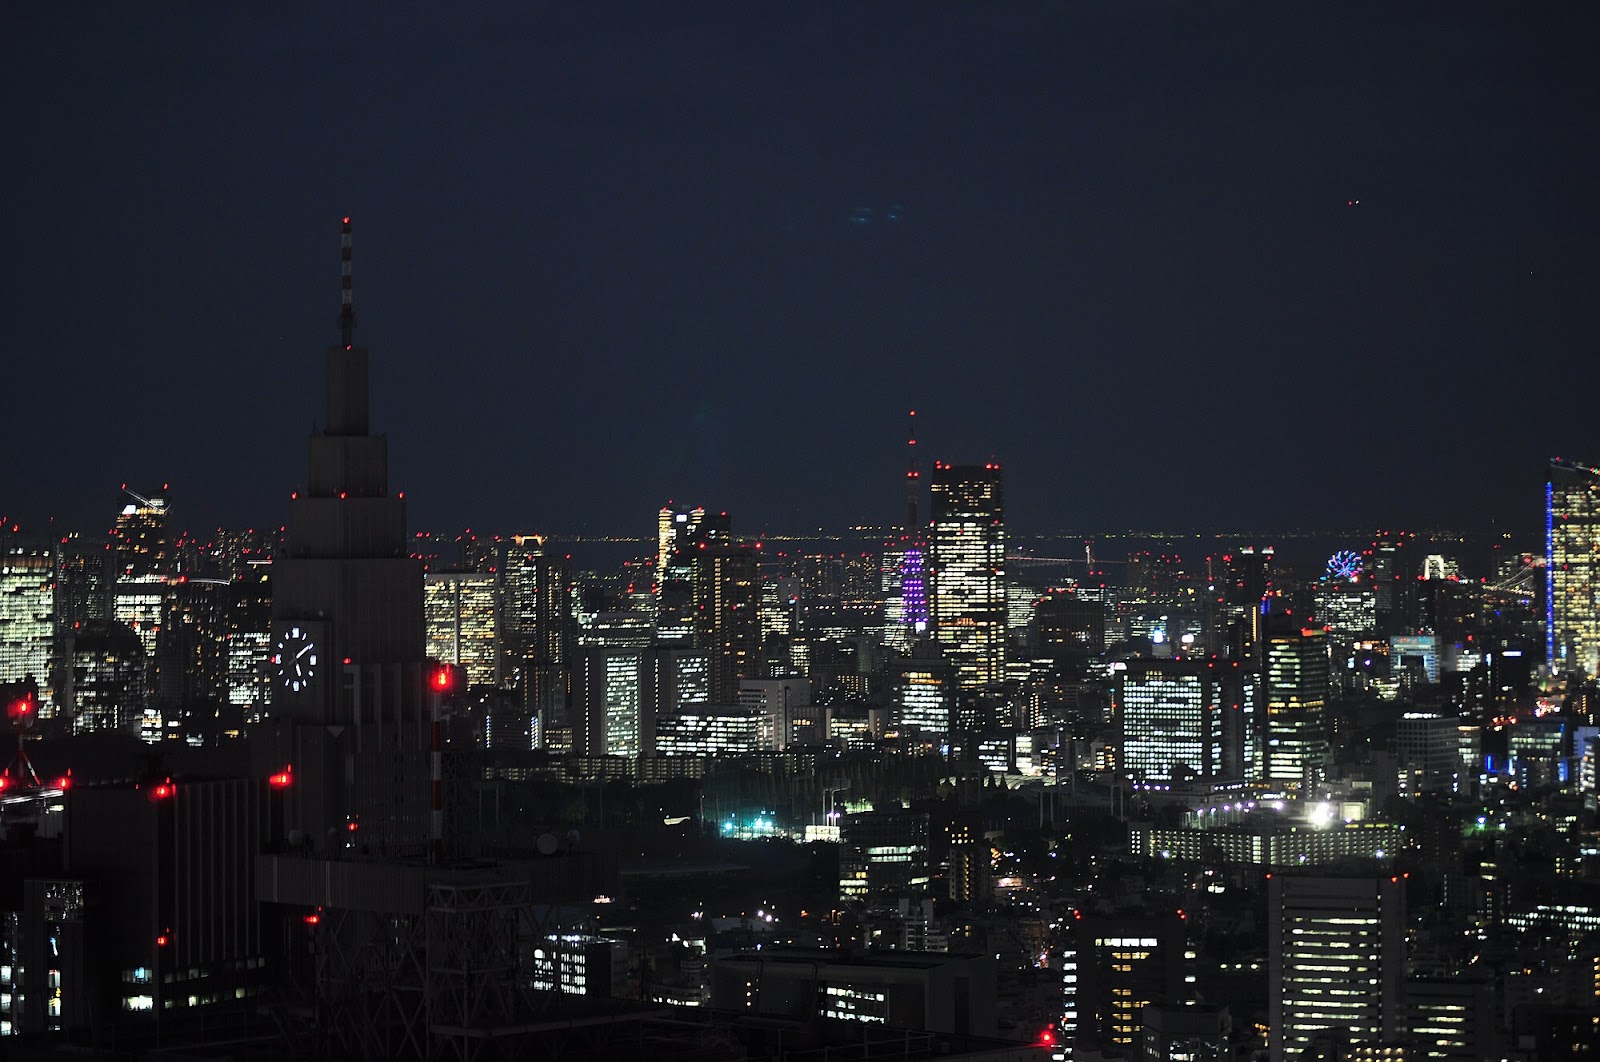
[311, 919]
[353, 826]
[163, 791]
[163, 940]
[442, 679]
[347, 221]
[281, 780]
[65, 781]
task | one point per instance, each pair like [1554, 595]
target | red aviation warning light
[282, 779]
[21, 709]
[443, 679]
[163, 791]
[1047, 1037]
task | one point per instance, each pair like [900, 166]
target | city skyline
[596, 283]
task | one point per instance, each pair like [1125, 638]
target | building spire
[347, 309]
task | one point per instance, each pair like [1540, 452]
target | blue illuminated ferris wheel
[1345, 564]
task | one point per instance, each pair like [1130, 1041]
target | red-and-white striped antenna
[913, 476]
[347, 308]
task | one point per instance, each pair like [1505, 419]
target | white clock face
[295, 657]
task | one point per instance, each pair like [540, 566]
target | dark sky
[605, 257]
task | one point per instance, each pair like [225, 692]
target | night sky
[608, 256]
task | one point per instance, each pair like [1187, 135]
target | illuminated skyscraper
[140, 538]
[1296, 693]
[679, 535]
[925, 693]
[1069, 624]
[27, 616]
[727, 614]
[537, 629]
[1572, 567]
[250, 638]
[615, 686]
[1337, 953]
[1171, 721]
[776, 701]
[463, 623]
[1114, 967]
[968, 557]
[102, 679]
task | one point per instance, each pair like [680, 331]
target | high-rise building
[537, 629]
[27, 617]
[710, 731]
[777, 702]
[615, 686]
[349, 672]
[1113, 967]
[192, 653]
[140, 540]
[679, 535]
[1336, 949]
[1068, 624]
[925, 693]
[464, 623]
[727, 613]
[883, 855]
[102, 677]
[1172, 726]
[250, 639]
[83, 580]
[1295, 692]
[1572, 567]
[968, 557]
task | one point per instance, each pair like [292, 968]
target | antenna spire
[347, 309]
[912, 475]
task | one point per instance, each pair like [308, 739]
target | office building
[538, 630]
[967, 553]
[778, 702]
[1572, 567]
[883, 855]
[1185, 1034]
[1449, 1019]
[250, 639]
[727, 614]
[938, 992]
[708, 730]
[925, 693]
[1171, 717]
[615, 694]
[1336, 947]
[349, 671]
[463, 623]
[1068, 624]
[102, 678]
[1115, 966]
[27, 617]
[140, 541]
[1295, 693]
[578, 964]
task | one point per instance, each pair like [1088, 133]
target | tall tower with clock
[347, 664]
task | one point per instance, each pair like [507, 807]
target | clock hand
[302, 652]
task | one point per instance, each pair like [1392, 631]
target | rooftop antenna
[912, 475]
[347, 309]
